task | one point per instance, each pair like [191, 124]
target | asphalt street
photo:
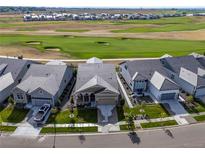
[183, 137]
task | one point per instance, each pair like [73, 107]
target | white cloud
[105, 3]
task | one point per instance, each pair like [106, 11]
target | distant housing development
[94, 16]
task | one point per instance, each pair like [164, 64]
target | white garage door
[40, 102]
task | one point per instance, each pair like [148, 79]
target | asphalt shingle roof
[187, 62]
[105, 72]
[145, 68]
[46, 77]
[12, 65]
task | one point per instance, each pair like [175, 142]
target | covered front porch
[85, 99]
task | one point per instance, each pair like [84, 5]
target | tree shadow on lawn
[88, 115]
[167, 108]
[120, 113]
[17, 115]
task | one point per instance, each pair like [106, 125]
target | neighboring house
[187, 72]
[11, 74]
[97, 86]
[43, 84]
[144, 76]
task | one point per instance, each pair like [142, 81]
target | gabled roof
[5, 81]
[94, 60]
[13, 66]
[46, 77]
[187, 62]
[46, 83]
[201, 60]
[96, 74]
[2, 68]
[192, 78]
[144, 68]
[98, 81]
[162, 83]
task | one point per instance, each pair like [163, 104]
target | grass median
[7, 128]
[68, 129]
[200, 118]
[159, 124]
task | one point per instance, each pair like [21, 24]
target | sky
[107, 3]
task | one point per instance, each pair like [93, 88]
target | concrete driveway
[177, 110]
[174, 107]
[26, 127]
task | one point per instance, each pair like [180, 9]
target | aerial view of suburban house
[145, 77]
[43, 84]
[187, 72]
[11, 73]
[97, 86]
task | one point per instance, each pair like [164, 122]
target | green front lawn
[200, 118]
[124, 127]
[158, 124]
[12, 114]
[7, 128]
[80, 116]
[86, 47]
[152, 111]
[68, 129]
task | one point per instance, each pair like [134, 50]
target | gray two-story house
[149, 76]
[187, 72]
[43, 84]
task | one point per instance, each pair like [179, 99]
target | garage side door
[40, 102]
[168, 96]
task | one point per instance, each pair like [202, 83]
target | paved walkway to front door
[26, 127]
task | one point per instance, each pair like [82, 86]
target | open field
[86, 47]
[183, 28]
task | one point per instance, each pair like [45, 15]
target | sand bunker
[33, 42]
[103, 43]
[52, 49]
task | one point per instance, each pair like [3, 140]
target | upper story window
[19, 96]
[125, 67]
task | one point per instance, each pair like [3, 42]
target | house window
[125, 67]
[19, 96]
